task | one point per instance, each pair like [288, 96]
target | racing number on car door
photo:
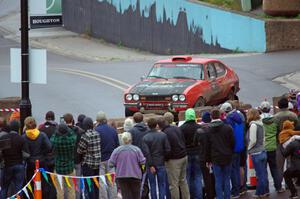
[212, 79]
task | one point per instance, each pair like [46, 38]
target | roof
[186, 59]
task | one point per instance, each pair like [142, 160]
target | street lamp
[25, 104]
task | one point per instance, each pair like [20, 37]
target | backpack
[270, 129]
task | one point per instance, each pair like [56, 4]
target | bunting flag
[96, 182]
[30, 188]
[53, 180]
[113, 178]
[109, 179]
[25, 192]
[59, 178]
[102, 178]
[75, 184]
[68, 182]
[82, 184]
[45, 176]
[89, 183]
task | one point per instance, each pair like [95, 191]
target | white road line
[91, 77]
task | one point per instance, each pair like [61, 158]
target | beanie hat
[88, 123]
[100, 116]
[206, 117]
[190, 114]
[81, 118]
[283, 103]
[265, 106]
[128, 124]
[226, 107]
[63, 128]
[14, 125]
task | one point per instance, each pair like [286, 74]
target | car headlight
[175, 98]
[128, 97]
[136, 97]
[182, 98]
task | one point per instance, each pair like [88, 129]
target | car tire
[200, 102]
[128, 112]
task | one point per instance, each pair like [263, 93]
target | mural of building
[166, 26]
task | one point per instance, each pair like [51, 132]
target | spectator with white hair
[129, 162]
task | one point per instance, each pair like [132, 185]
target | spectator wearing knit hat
[109, 141]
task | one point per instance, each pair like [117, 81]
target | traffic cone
[251, 174]
[37, 182]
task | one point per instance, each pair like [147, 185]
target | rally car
[180, 83]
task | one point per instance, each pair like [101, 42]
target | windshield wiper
[183, 77]
[156, 76]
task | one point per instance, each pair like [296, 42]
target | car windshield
[177, 71]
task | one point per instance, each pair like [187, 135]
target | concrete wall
[165, 26]
[283, 34]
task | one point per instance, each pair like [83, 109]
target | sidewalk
[61, 41]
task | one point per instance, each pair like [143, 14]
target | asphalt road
[78, 92]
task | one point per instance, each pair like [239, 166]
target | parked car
[180, 83]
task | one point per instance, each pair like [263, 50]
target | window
[220, 68]
[211, 73]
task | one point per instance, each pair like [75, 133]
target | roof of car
[187, 59]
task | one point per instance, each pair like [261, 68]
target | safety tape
[9, 110]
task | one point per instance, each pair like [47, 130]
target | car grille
[155, 98]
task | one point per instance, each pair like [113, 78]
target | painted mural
[173, 26]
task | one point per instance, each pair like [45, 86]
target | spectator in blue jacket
[237, 121]
[109, 141]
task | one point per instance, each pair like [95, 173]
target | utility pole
[25, 104]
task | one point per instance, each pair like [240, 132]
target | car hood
[164, 87]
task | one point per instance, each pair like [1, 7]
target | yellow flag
[68, 182]
[96, 182]
[29, 187]
[53, 180]
[109, 178]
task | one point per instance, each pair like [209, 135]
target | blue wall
[231, 31]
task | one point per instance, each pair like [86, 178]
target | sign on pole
[45, 13]
[37, 66]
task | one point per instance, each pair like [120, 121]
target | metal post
[25, 105]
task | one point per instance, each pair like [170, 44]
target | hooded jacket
[293, 150]
[236, 121]
[138, 131]
[220, 143]
[270, 129]
[38, 144]
[189, 130]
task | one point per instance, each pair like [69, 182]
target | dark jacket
[282, 116]
[109, 140]
[137, 133]
[189, 129]
[293, 149]
[201, 139]
[38, 147]
[18, 151]
[221, 143]
[176, 140]
[155, 147]
[78, 132]
[237, 121]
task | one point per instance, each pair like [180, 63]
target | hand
[152, 170]
[208, 164]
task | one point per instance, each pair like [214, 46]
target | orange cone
[251, 174]
[37, 182]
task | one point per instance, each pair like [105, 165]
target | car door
[221, 80]
[211, 77]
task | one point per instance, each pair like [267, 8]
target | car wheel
[128, 112]
[231, 95]
[200, 102]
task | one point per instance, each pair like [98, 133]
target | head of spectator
[162, 122]
[215, 114]
[138, 117]
[14, 116]
[14, 125]
[169, 117]
[62, 129]
[252, 115]
[226, 107]
[190, 115]
[152, 123]
[283, 103]
[101, 118]
[50, 116]
[128, 124]
[126, 138]
[3, 125]
[68, 118]
[88, 123]
[80, 119]
[265, 107]
[206, 117]
[30, 128]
